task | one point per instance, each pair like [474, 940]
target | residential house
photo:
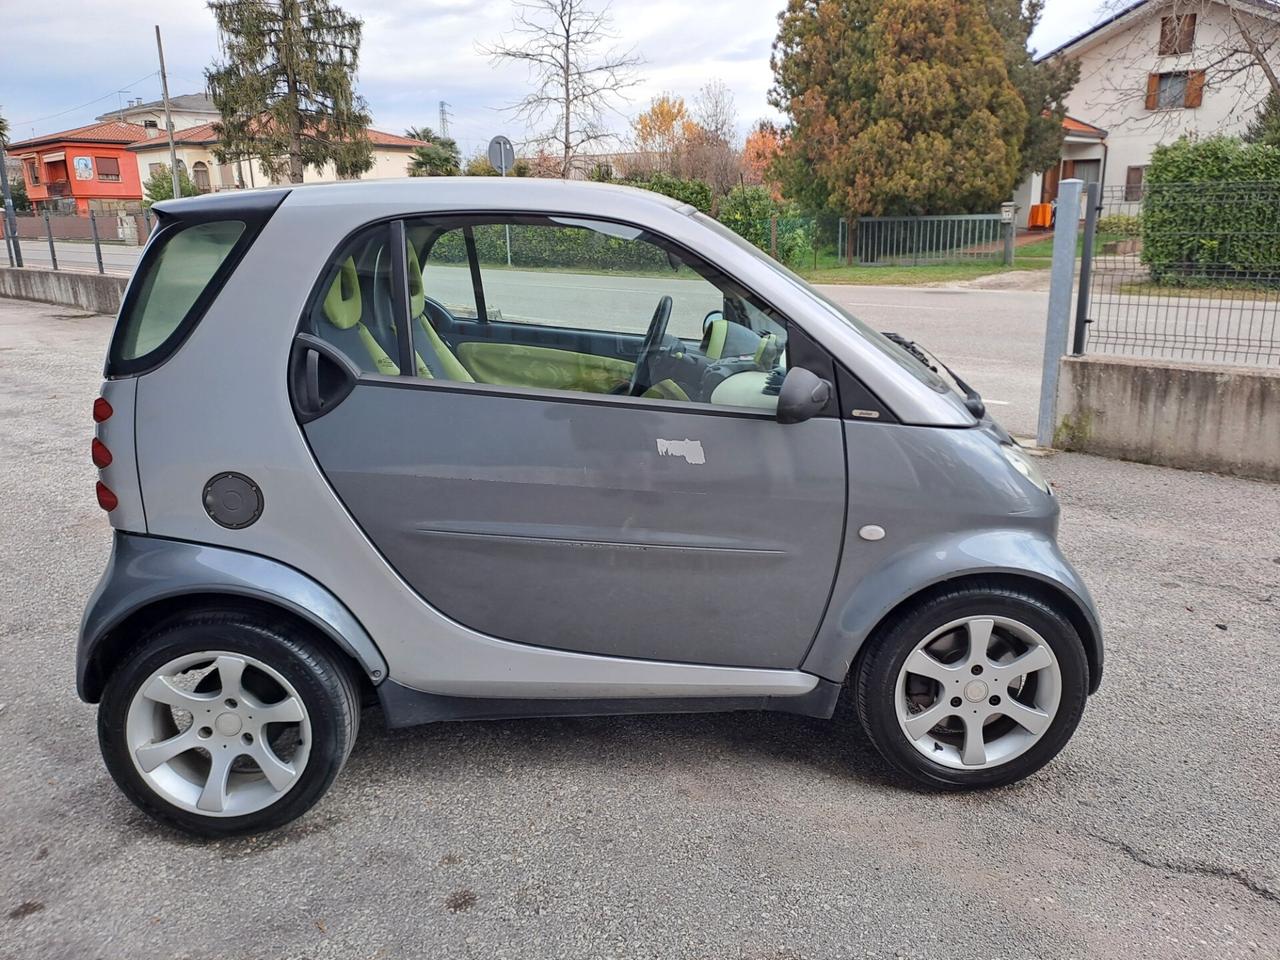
[89, 167]
[1156, 70]
[195, 151]
[104, 165]
[186, 110]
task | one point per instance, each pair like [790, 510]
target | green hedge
[1211, 211]
[748, 212]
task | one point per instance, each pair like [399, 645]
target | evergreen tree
[439, 158]
[1265, 126]
[285, 88]
[896, 106]
[1043, 86]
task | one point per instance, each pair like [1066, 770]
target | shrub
[1210, 210]
[696, 193]
[750, 211]
[1120, 225]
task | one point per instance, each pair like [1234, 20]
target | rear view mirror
[803, 396]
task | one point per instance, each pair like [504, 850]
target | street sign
[502, 155]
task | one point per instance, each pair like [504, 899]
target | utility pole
[168, 119]
[10, 221]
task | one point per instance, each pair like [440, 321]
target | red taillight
[101, 455]
[101, 410]
[106, 499]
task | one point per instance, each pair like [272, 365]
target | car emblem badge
[691, 450]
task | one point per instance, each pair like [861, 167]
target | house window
[33, 173]
[108, 169]
[150, 125]
[1169, 91]
[200, 175]
[1133, 183]
[1177, 34]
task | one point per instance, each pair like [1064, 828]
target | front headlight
[1025, 465]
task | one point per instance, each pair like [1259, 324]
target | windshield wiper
[972, 399]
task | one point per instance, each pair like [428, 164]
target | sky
[414, 55]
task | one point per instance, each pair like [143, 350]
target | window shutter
[1153, 90]
[1195, 89]
[107, 166]
[1186, 32]
[1168, 36]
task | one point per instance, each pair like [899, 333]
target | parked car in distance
[474, 448]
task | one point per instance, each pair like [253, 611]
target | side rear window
[173, 278]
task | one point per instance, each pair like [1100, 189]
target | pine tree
[285, 88]
[896, 106]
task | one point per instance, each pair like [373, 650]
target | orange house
[88, 168]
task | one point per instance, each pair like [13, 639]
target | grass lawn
[1207, 292]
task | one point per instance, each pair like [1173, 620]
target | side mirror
[803, 396]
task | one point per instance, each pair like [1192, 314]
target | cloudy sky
[68, 62]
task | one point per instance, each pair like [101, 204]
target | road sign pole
[502, 156]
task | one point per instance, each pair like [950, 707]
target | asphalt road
[761, 837]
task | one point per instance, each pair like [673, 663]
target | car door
[575, 518]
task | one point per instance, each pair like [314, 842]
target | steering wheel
[653, 341]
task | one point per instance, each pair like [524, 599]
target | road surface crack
[1192, 869]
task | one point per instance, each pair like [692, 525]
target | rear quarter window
[169, 292]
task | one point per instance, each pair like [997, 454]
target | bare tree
[1227, 44]
[575, 82]
[712, 153]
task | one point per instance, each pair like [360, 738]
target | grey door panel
[563, 524]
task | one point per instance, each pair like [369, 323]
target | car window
[172, 280]
[353, 308]
[589, 306]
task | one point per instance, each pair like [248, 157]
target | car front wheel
[973, 687]
[223, 723]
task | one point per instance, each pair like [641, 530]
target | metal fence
[902, 241]
[1186, 271]
[96, 241]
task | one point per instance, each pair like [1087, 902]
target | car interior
[739, 359]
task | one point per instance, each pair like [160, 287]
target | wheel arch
[1002, 558]
[116, 643]
[1048, 593]
[149, 580]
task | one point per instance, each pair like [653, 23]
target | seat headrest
[417, 293]
[342, 305]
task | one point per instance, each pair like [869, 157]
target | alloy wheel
[219, 734]
[978, 692]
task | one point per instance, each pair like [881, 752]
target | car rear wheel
[221, 723]
[973, 687]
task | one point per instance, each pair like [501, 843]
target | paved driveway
[722, 836]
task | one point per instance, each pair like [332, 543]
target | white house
[1154, 71]
[194, 147]
[186, 109]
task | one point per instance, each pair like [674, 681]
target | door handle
[320, 377]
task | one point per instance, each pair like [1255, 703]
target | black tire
[324, 683]
[875, 685]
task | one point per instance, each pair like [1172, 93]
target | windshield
[874, 337]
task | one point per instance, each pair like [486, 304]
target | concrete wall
[88, 291]
[1193, 416]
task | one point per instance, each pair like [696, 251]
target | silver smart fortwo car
[484, 448]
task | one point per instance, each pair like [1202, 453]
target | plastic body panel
[563, 524]
[951, 506]
[145, 570]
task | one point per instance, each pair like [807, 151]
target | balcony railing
[58, 188]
